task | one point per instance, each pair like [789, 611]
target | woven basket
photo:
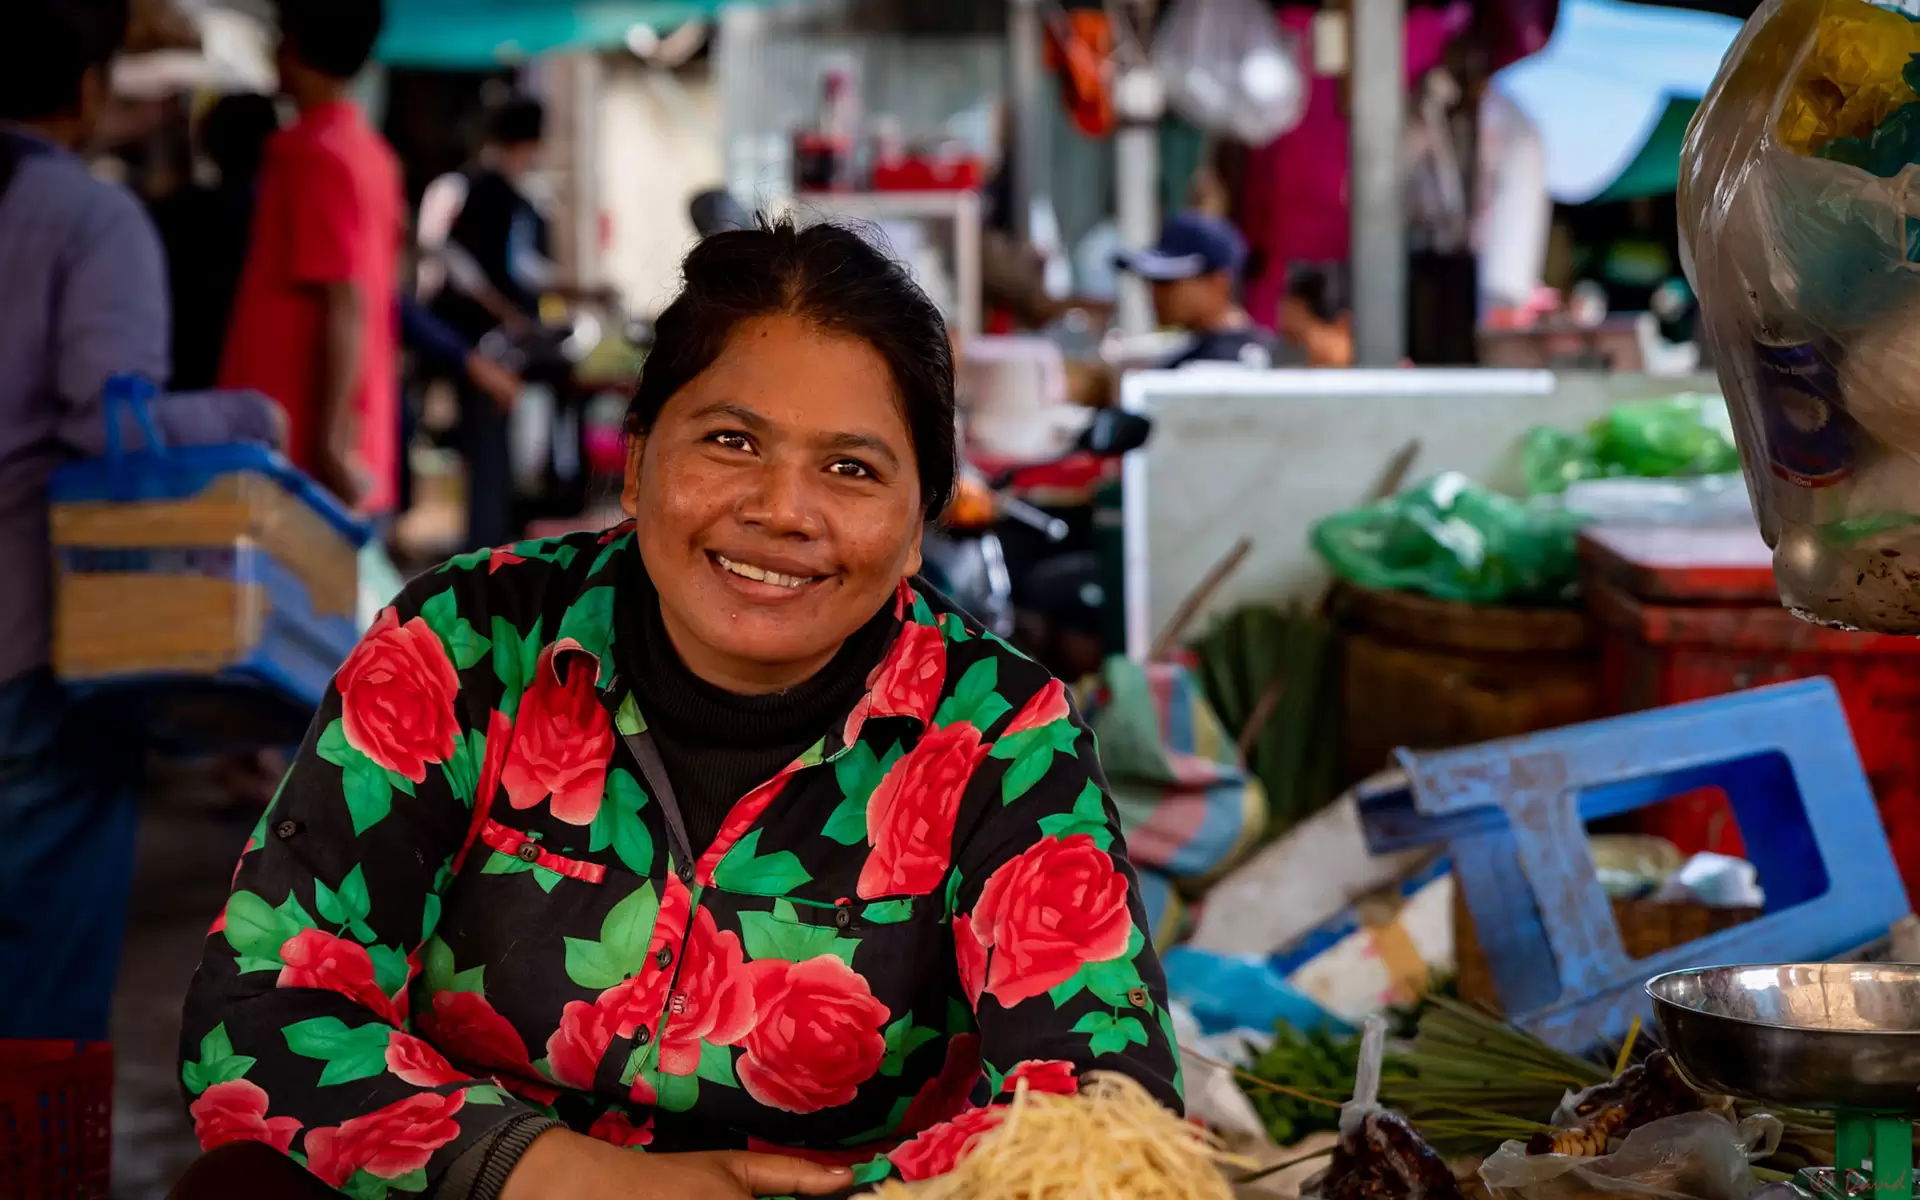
[1646, 929]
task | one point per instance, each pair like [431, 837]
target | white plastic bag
[1231, 70]
[379, 583]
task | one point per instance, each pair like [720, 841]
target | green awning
[477, 34]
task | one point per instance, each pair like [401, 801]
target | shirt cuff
[481, 1173]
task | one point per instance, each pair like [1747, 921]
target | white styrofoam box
[1368, 970]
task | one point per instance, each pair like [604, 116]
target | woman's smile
[766, 580]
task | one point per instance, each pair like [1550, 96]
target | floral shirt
[469, 903]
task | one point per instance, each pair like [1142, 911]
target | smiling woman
[710, 837]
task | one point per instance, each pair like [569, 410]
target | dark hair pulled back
[834, 278]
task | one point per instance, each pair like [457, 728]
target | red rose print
[561, 741]
[1059, 905]
[1043, 710]
[972, 957]
[1043, 1075]
[418, 1063]
[815, 1036]
[236, 1111]
[576, 1048]
[826, 1158]
[314, 958]
[940, 1149]
[719, 997]
[944, 1097]
[397, 692]
[908, 682]
[618, 1129]
[502, 556]
[219, 922]
[643, 1093]
[388, 1142]
[910, 815]
[464, 1027]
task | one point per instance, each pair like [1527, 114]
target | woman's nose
[784, 501]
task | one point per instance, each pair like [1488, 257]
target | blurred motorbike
[1055, 587]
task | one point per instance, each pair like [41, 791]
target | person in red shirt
[314, 324]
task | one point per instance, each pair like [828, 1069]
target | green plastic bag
[1454, 540]
[1676, 436]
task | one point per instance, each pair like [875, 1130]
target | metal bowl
[1805, 1035]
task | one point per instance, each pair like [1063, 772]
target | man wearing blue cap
[1195, 272]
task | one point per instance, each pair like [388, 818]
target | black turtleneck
[718, 746]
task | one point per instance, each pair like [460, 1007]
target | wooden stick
[1197, 600]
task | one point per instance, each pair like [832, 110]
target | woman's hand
[562, 1165]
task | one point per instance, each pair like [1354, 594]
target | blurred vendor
[1195, 272]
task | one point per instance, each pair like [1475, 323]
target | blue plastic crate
[216, 583]
[1513, 816]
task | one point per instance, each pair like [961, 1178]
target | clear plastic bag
[1230, 69]
[1800, 227]
[1696, 1156]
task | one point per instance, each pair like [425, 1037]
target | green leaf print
[1032, 753]
[552, 550]
[463, 767]
[622, 949]
[858, 771]
[873, 1172]
[368, 787]
[349, 907]
[504, 864]
[390, 969]
[955, 629]
[514, 660]
[416, 1179]
[1110, 1035]
[673, 1093]
[485, 1093]
[887, 912]
[781, 934]
[465, 646]
[1112, 981]
[1089, 816]
[436, 965]
[620, 825]
[590, 623]
[716, 1065]
[547, 878]
[975, 700]
[747, 871]
[218, 1063]
[350, 1052]
[903, 1038]
[1179, 1070]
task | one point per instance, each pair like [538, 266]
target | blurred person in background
[314, 324]
[85, 299]
[495, 257]
[206, 229]
[1195, 270]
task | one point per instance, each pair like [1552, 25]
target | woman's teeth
[761, 575]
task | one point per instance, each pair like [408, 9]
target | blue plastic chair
[1513, 815]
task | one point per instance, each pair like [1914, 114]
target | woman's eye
[732, 441]
[848, 468]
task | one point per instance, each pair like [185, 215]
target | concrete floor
[188, 846]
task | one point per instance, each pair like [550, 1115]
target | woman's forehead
[788, 376]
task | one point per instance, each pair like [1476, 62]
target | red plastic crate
[56, 1120]
[1686, 614]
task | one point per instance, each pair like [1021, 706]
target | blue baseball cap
[1191, 245]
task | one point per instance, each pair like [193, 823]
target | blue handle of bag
[134, 393]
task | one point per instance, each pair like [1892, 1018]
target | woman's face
[777, 503]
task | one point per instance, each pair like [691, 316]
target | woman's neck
[734, 676]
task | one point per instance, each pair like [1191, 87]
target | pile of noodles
[1111, 1140]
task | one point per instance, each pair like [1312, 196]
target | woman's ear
[914, 559]
[630, 485]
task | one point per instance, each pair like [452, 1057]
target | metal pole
[1023, 103]
[1140, 101]
[1378, 103]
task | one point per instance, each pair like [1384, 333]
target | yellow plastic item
[1851, 79]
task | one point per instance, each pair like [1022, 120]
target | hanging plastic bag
[1380, 1155]
[379, 583]
[1695, 1156]
[1231, 70]
[1800, 225]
